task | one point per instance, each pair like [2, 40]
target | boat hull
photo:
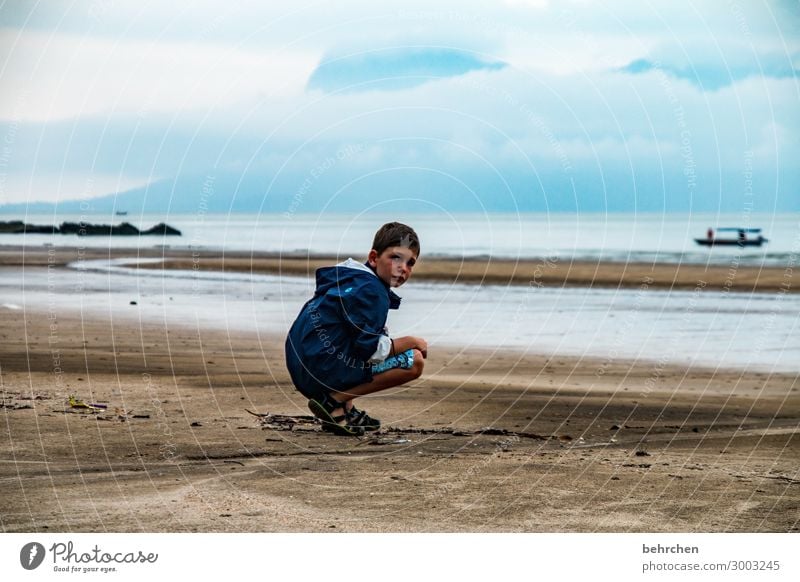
[730, 242]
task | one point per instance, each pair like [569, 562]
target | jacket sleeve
[364, 310]
[383, 350]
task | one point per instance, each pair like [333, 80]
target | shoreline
[533, 273]
[646, 325]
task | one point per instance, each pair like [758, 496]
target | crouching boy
[338, 347]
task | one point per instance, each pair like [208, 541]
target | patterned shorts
[403, 360]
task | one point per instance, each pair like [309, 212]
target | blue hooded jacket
[338, 330]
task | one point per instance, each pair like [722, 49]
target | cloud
[538, 4]
[395, 68]
[713, 76]
[118, 92]
[60, 76]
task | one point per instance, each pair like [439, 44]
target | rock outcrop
[86, 229]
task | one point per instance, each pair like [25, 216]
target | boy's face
[394, 265]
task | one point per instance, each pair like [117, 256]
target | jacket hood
[347, 273]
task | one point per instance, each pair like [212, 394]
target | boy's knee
[418, 365]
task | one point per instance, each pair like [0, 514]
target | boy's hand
[409, 342]
[422, 346]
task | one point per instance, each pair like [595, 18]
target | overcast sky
[615, 105]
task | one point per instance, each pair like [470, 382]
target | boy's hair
[395, 234]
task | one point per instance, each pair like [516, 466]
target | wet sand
[532, 272]
[482, 442]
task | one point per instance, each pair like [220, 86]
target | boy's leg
[383, 381]
[380, 381]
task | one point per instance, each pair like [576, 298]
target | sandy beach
[200, 429]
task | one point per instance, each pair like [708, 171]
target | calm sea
[613, 237]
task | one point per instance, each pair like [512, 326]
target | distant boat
[121, 213]
[740, 239]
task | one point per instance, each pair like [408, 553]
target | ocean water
[614, 237]
[753, 332]
[743, 331]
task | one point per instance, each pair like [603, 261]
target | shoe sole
[328, 424]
